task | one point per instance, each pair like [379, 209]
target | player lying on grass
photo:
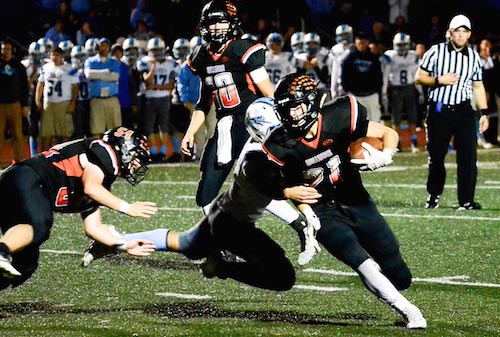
[312, 147]
[72, 177]
[230, 224]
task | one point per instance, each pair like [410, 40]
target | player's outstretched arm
[92, 186]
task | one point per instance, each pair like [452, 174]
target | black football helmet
[218, 11]
[132, 151]
[291, 91]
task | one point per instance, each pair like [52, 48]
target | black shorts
[24, 200]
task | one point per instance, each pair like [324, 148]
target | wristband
[436, 81]
[124, 207]
[308, 213]
[121, 245]
[485, 112]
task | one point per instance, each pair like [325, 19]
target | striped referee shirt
[441, 59]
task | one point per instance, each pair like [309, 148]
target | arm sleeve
[428, 60]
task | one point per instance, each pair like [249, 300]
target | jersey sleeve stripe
[112, 155]
[354, 112]
[272, 157]
[251, 51]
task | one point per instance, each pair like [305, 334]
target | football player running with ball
[312, 147]
[72, 177]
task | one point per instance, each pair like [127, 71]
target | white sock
[379, 284]
[283, 210]
[206, 209]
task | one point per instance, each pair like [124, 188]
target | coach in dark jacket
[13, 98]
[362, 76]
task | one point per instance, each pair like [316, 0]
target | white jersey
[279, 65]
[336, 56]
[322, 57]
[58, 82]
[399, 70]
[165, 72]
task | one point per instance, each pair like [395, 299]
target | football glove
[311, 246]
[374, 158]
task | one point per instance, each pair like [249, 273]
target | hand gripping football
[358, 152]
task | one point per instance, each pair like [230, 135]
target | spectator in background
[397, 9]
[82, 108]
[158, 73]
[81, 9]
[489, 137]
[84, 33]
[436, 32]
[362, 76]
[141, 13]
[142, 32]
[103, 72]
[57, 32]
[56, 94]
[14, 98]
[124, 90]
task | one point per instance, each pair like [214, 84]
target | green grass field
[453, 255]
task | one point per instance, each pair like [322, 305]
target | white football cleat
[7, 270]
[414, 317]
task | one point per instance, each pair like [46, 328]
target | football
[357, 151]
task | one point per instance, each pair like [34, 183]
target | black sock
[4, 249]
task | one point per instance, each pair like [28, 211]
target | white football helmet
[47, 43]
[274, 38]
[196, 40]
[156, 48]
[312, 43]
[181, 48]
[131, 50]
[343, 34]
[261, 118]
[66, 45]
[36, 53]
[78, 56]
[297, 42]
[401, 43]
[248, 36]
[92, 46]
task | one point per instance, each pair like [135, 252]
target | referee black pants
[461, 122]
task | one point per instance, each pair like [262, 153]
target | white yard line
[317, 288]
[186, 296]
[452, 280]
[438, 280]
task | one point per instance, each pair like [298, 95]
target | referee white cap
[460, 21]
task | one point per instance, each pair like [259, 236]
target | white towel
[224, 140]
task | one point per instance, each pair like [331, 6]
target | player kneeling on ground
[72, 177]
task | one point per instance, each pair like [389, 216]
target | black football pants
[461, 122]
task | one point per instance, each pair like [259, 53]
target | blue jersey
[100, 88]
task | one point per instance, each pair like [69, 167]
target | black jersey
[225, 76]
[324, 162]
[61, 171]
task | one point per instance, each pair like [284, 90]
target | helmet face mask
[132, 151]
[401, 43]
[297, 103]
[343, 34]
[218, 23]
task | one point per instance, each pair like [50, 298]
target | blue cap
[104, 40]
